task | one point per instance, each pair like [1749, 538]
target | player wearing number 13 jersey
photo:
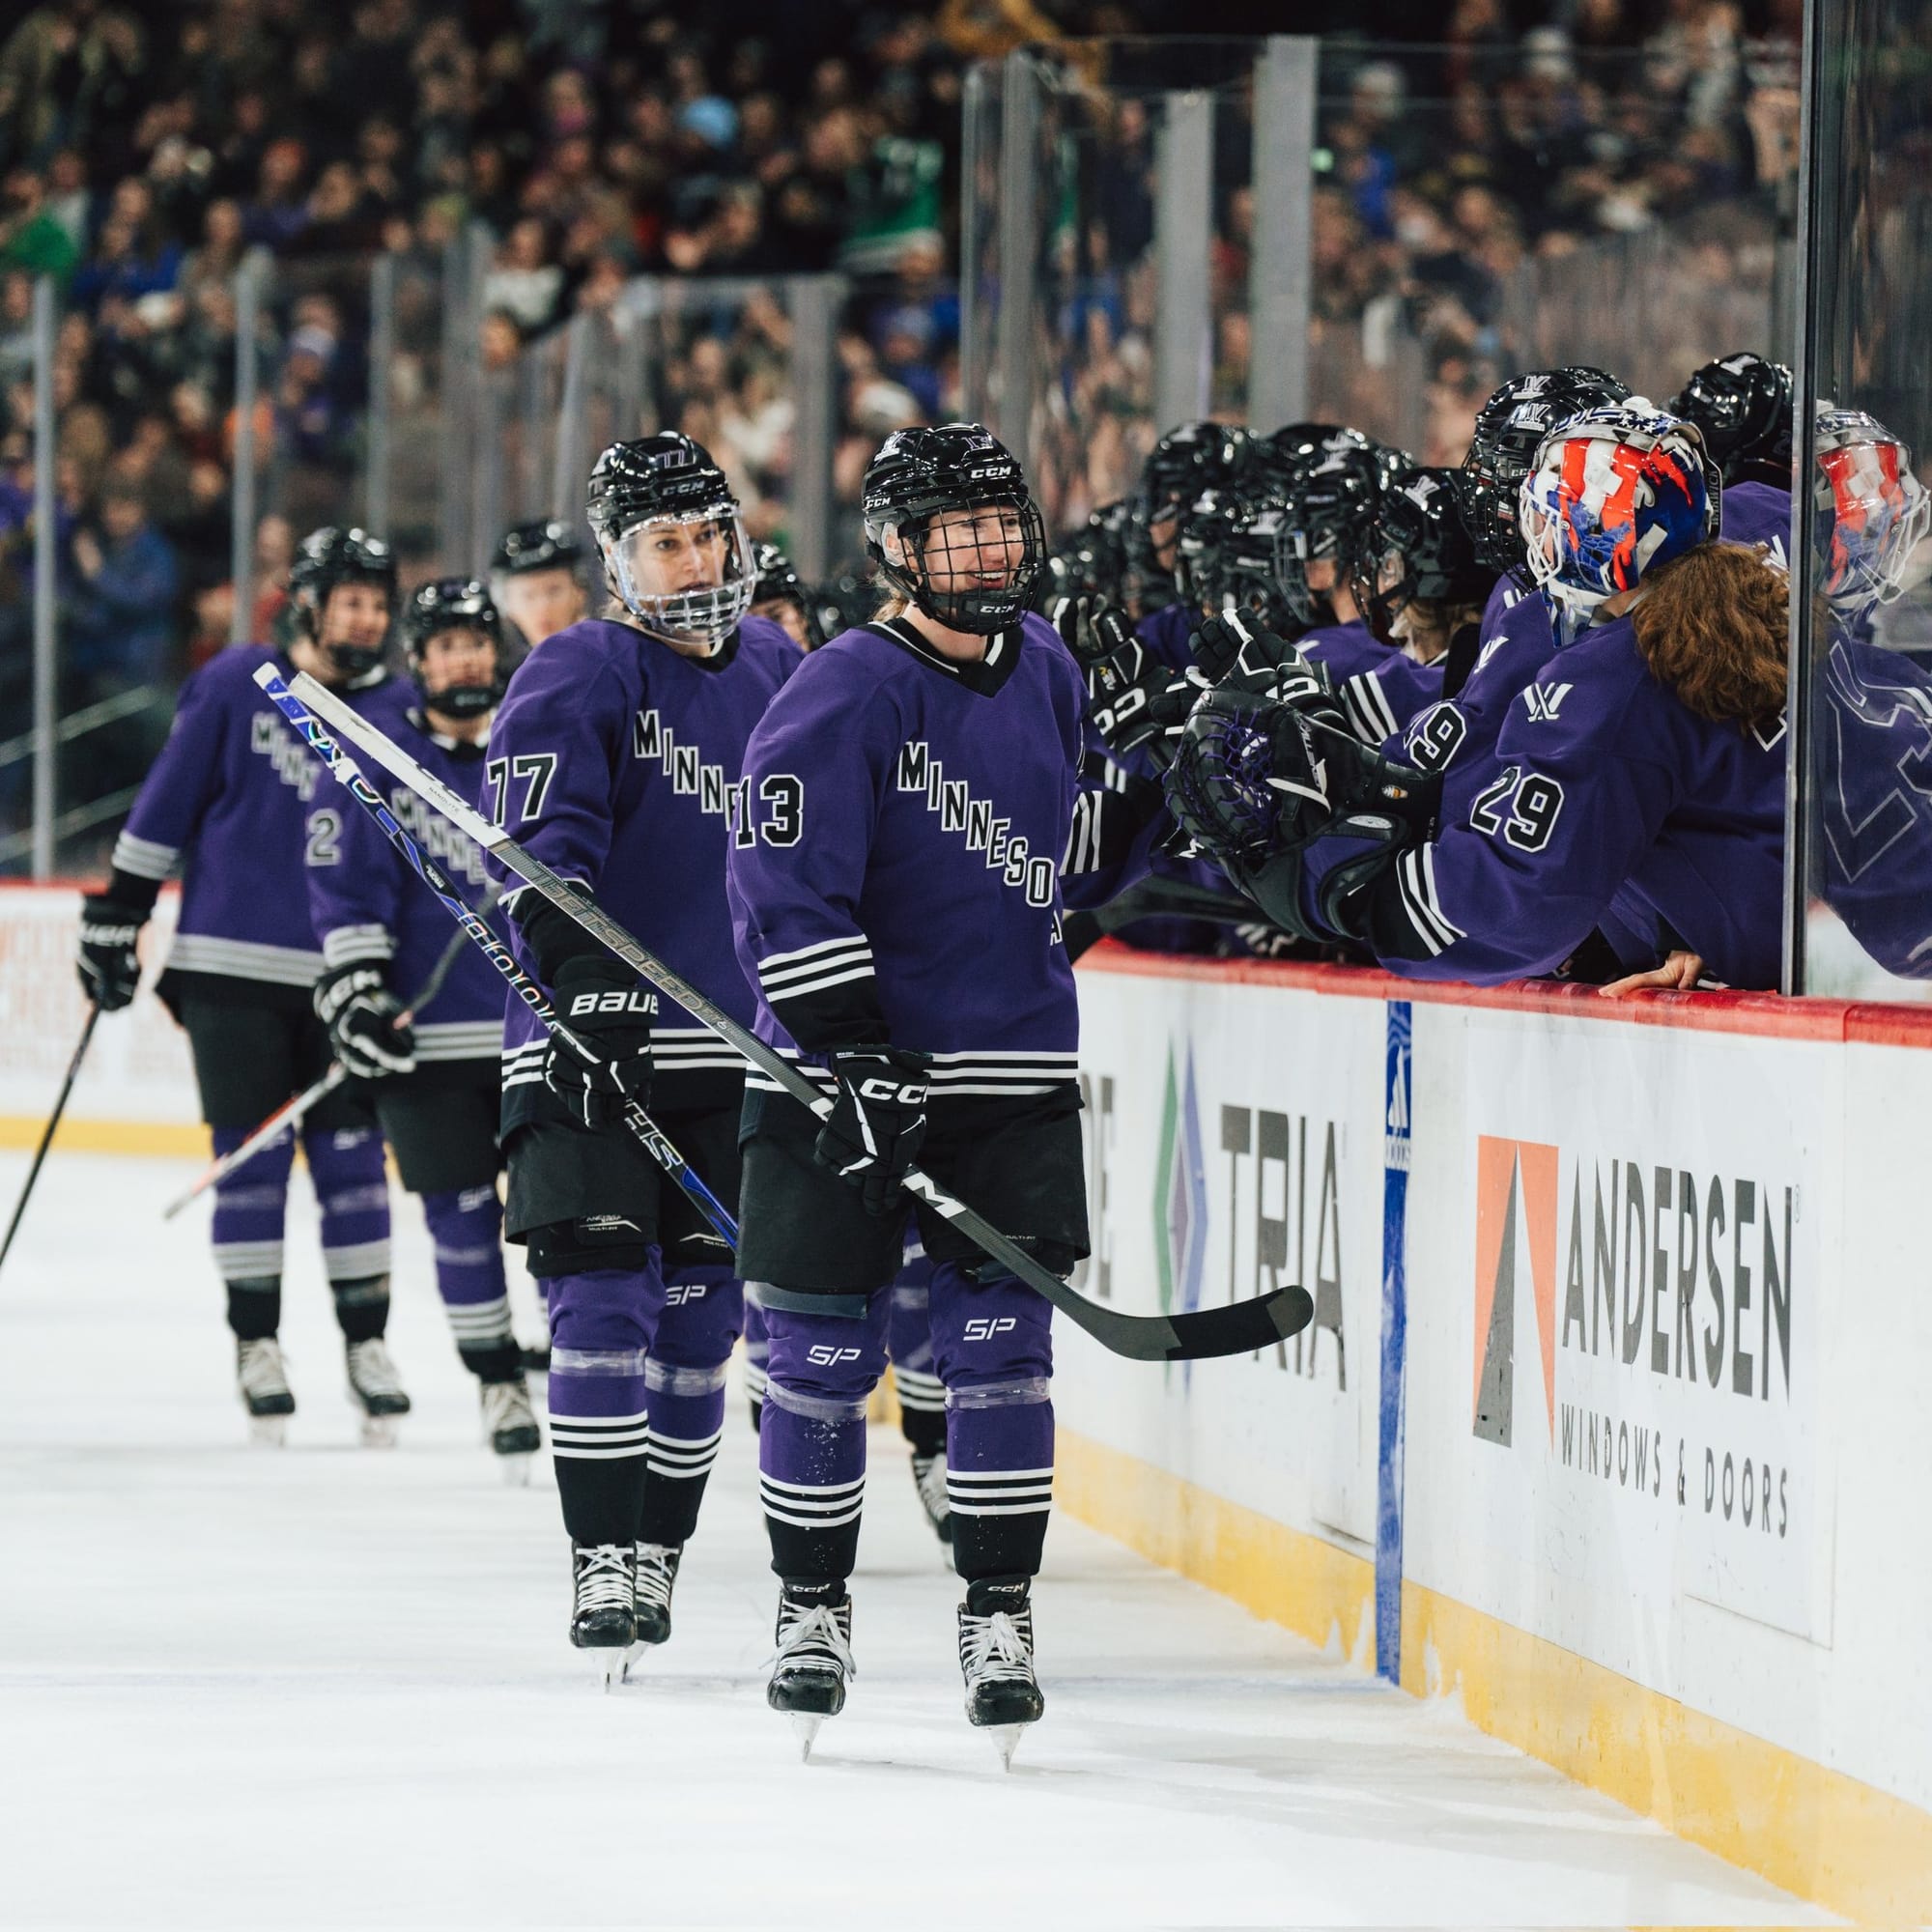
[615, 760]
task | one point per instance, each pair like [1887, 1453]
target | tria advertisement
[1641, 1289]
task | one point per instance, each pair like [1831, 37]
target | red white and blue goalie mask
[1870, 511]
[1612, 494]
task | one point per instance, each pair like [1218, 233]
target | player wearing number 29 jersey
[1641, 768]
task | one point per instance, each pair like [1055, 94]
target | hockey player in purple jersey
[536, 578]
[226, 803]
[1643, 767]
[898, 902]
[435, 1073]
[617, 759]
[782, 597]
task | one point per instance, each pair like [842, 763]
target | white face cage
[688, 579]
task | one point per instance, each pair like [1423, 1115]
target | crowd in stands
[147, 147]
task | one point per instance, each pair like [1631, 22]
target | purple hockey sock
[757, 1354]
[353, 1192]
[250, 1207]
[909, 1343]
[685, 1385]
[812, 1444]
[993, 1345]
[602, 1325]
[466, 1227]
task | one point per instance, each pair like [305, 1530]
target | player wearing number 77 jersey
[615, 760]
[1644, 765]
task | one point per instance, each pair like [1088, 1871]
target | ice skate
[510, 1424]
[376, 1390]
[604, 1588]
[996, 1660]
[928, 1478]
[263, 1384]
[814, 1659]
[656, 1578]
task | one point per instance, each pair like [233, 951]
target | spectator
[120, 625]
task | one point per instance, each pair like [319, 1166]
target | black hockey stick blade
[1193, 1335]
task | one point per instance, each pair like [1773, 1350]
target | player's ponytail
[1713, 628]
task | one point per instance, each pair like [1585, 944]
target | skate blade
[1006, 1739]
[805, 1729]
[378, 1432]
[268, 1432]
[611, 1665]
[516, 1469]
[632, 1653]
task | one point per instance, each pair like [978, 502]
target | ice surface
[329, 1686]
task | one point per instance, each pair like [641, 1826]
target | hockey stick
[1154, 898]
[348, 774]
[53, 1120]
[1190, 1335]
[291, 1113]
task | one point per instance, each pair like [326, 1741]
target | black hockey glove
[1242, 649]
[109, 969]
[366, 1028]
[602, 1057]
[1091, 628]
[1135, 700]
[872, 1135]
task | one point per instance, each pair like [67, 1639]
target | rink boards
[1614, 1408]
[1609, 1429]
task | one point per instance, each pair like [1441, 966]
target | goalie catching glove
[367, 1031]
[872, 1137]
[599, 1058]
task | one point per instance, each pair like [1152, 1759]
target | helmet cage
[978, 610]
[703, 616]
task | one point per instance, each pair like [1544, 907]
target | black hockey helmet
[1190, 458]
[1418, 549]
[456, 604]
[1200, 548]
[1509, 428]
[1286, 454]
[1326, 517]
[845, 602]
[778, 581]
[326, 560]
[1251, 563]
[921, 474]
[1090, 561]
[1742, 404]
[664, 480]
[547, 544]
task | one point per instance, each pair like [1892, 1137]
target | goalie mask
[1613, 493]
[1869, 511]
[951, 526]
[673, 544]
[326, 560]
[471, 682]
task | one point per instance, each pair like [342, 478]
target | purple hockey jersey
[227, 801]
[367, 904]
[1379, 686]
[903, 879]
[1163, 634]
[1601, 789]
[617, 762]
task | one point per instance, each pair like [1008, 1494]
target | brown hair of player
[1712, 627]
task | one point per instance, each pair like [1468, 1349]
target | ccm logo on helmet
[983, 1327]
[637, 1002]
[821, 1355]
